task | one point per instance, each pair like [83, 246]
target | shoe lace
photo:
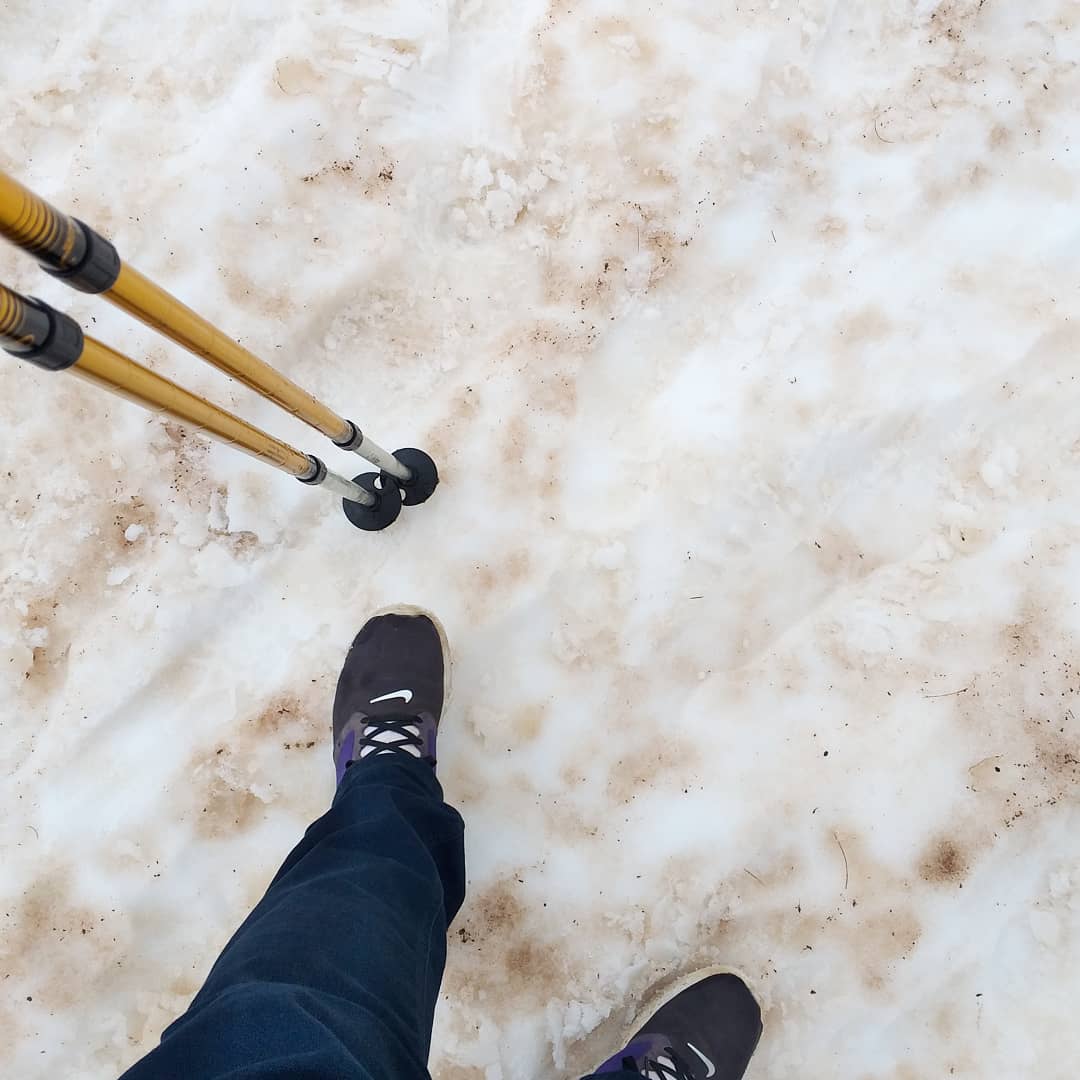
[667, 1066]
[390, 735]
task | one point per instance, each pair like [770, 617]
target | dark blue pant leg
[337, 970]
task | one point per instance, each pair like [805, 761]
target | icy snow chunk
[118, 575]
[553, 166]
[190, 527]
[580, 1018]
[248, 509]
[217, 518]
[569, 1023]
[536, 181]
[501, 208]
[477, 174]
[133, 532]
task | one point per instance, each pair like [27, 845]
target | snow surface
[746, 338]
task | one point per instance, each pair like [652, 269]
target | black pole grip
[95, 271]
[63, 245]
[32, 330]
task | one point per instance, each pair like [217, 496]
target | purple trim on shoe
[429, 729]
[344, 755]
[640, 1047]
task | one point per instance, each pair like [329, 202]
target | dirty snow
[746, 338]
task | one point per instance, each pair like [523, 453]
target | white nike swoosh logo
[405, 695]
[708, 1064]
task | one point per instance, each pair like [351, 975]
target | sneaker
[392, 688]
[705, 1027]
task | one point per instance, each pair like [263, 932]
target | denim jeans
[336, 972]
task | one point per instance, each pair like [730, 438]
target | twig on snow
[844, 853]
[951, 693]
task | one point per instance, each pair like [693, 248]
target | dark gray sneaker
[391, 690]
[705, 1027]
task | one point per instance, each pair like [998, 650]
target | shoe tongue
[376, 717]
[388, 731]
[661, 1068]
[390, 734]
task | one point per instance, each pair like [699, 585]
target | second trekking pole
[75, 253]
[38, 333]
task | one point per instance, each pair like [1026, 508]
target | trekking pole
[32, 330]
[72, 251]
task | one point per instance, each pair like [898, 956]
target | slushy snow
[746, 339]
